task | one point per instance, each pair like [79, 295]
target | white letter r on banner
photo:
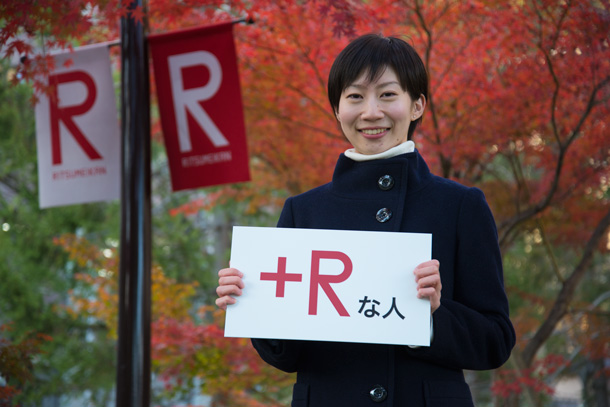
[189, 99]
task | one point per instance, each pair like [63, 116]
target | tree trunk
[560, 307]
[600, 384]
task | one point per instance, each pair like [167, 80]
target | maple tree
[16, 362]
[519, 112]
[184, 346]
[518, 107]
[34, 274]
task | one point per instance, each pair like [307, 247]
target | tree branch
[549, 251]
[562, 302]
[509, 224]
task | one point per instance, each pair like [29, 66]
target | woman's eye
[353, 96]
[388, 94]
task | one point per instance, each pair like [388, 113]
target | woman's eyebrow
[380, 85]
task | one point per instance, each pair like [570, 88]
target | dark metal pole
[133, 369]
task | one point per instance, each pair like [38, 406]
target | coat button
[378, 394]
[383, 215]
[386, 182]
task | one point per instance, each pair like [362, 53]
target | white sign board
[77, 131]
[331, 285]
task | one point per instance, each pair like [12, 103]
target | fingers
[230, 271]
[428, 279]
[429, 286]
[428, 266]
[427, 270]
[230, 285]
[230, 277]
[224, 301]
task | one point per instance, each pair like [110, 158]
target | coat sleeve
[279, 353]
[473, 330]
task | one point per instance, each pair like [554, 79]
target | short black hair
[373, 53]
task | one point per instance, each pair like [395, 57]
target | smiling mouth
[373, 132]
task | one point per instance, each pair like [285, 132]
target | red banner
[200, 106]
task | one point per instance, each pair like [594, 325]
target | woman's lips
[374, 133]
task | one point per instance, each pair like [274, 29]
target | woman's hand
[428, 279]
[230, 284]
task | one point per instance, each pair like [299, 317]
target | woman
[378, 88]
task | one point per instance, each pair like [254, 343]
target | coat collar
[408, 171]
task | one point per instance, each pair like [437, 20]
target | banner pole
[133, 364]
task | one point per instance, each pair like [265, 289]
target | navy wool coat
[472, 329]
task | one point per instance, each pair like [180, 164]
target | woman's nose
[372, 110]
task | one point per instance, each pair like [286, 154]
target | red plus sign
[281, 277]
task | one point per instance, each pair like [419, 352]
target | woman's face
[375, 116]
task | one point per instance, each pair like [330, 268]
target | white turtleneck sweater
[406, 147]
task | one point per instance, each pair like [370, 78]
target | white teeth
[372, 132]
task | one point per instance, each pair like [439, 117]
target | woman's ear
[418, 108]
